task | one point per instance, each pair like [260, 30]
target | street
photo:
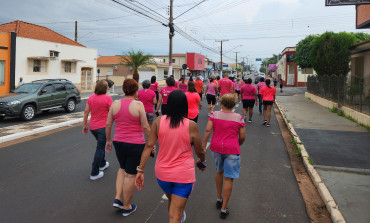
[46, 179]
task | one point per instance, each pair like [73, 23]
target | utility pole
[243, 66]
[236, 64]
[223, 40]
[76, 31]
[172, 33]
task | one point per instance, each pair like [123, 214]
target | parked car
[41, 95]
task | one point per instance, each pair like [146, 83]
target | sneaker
[268, 125]
[100, 175]
[223, 215]
[183, 217]
[219, 204]
[250, 121]
[264, 122]
[117, 204]
[128, 212]
[104, 167]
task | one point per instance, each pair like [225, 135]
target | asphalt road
[47, 180]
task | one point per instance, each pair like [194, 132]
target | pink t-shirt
[225, 85]
[193, 99]
[165, 92]
[99, 107]
[146, 96]
[248, 91]
[176, 84]
[226, 127]
[183, 86]
[238, 86]
[154, 86]
[128, 127]
[268, 93]
[259, 86]
[175, 162]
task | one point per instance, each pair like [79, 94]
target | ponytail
[268, 81]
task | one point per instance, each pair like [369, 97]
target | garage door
[145, 75]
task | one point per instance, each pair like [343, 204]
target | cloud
[255, 8]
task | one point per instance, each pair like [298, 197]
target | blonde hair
[228, 101]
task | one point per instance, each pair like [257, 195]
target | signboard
[258, 59]
[345, 2]
[272, 67]
[290, 57]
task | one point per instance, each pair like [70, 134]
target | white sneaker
[104, 167]
[100, 175]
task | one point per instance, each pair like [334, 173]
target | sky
[252, 28]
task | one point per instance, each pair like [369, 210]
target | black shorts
[268, 102]
[237, 91]
[128, 155]
[156, 95]
[164, 109]
[248, 103]
[211, 99]
[195, 119]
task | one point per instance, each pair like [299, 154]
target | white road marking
[164, 197]
[155, 210]
[208, 144]
[237, 105]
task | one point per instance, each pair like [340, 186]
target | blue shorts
[227, 163]
[179, 189]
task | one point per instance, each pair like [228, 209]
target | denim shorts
[179, 189]
[227, 163]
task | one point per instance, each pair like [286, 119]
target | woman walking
[194, 102]
[148, 98]
[174, 167]
[98, 104]
[249, 93]
[163, 95]
[130, 125]
[268, 98]
[211, 90]
[225, 147]
[182, 84]
[154, 86]
[238, 86]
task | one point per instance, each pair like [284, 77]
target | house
[7, 62]
[360, 64]
[163, 63]
[41, 53]
[289, 72]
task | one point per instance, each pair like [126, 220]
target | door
[46, 97]
[291, 74]
[86, 79]
[60, 94]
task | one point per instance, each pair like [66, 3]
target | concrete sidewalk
[339, 149]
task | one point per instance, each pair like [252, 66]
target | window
[173, 60]
[59, 87]
[70, 86]
[2, 72]
[69, 67]
[49, 89]
[164, 60]
[37, 66]
[165, 74]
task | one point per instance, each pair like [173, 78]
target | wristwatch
[138, 169]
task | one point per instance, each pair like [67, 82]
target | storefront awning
[72, 60]
[39, 58]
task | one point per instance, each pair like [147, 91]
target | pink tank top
[183, 87]
[175, 162]
[211, 89]
[128, 127]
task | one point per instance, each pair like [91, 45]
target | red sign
[195, 61]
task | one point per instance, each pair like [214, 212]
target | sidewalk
[339, 149]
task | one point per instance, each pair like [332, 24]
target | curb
[336, 215]
[38, 130]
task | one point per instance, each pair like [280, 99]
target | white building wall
[37, 48]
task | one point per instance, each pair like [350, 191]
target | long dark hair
[191, 87]
[268, 81]
[153, 80]
[177, 108]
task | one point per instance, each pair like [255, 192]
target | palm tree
[136, 60]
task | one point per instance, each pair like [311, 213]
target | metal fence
[335, 88]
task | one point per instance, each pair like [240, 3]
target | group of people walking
[179, 104]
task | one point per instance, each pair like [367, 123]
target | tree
[303, 50]
[136, 60]
[330, 53]
[262, 69]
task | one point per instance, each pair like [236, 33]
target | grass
[297, 150]
[310, 161]
[354, 120]
[309, 98]
[334, 109]
[288, 120]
